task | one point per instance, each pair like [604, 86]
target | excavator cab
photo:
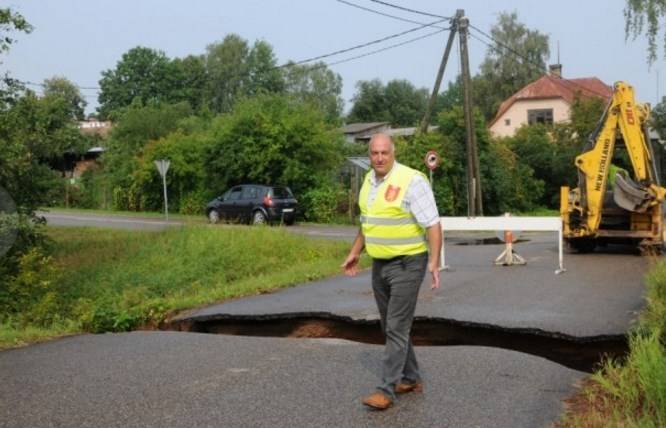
[619, 197]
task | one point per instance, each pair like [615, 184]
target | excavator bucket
[630, 195]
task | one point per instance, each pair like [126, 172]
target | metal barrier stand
[503, 223]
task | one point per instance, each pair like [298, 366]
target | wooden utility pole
[474, 197]
[442, 66]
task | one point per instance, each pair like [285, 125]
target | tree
[550, 150]
[639, 12]
[60, 87]
[272, 139]
[451, 97]
[659, 118]
[318, 85]
[406, 104]
[135, 127]
[263, 74]
[399, 103]
[226, 66]
[190, 81]
[187, 192]
[517, 58]
[369, 104]
[508, 185]
[235, 70]
[10, 22]
[142, 73]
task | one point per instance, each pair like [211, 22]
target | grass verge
[631, 392]
[115, 280]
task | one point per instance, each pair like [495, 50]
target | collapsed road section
[579, 353]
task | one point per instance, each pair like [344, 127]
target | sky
[78, 39]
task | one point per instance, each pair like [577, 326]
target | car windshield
[281, 193]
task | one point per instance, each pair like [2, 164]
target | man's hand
[435, 243]
[350, 265]
[434, 270]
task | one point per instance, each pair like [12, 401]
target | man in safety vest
[398, 211]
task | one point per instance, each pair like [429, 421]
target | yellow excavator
[625, 207]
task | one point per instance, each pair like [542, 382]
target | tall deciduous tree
[142, 73]
[226, 67]
[190, 80]
[135, 127]
[61, 87]
[647, 16]
[399, 102]
[235, 70]
[318, 85]
[517, 58]
[263, 74]
[272, 139]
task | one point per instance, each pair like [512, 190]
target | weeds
[630, 392]
[111, 280]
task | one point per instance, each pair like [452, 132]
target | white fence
[503, 223]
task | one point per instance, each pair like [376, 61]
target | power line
[410, 10]
[42, 85]
[388, 47]
[363, 45]
[498, 43]
[367, 9]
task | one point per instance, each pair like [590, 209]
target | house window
[540, 116]
[507, 122]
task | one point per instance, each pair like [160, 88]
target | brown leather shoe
[402, 388]
[378, 401]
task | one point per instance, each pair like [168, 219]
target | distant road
[65, 219]
[55, 218]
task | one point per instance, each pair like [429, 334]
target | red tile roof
[554, 87]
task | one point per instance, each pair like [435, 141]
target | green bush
[193, 203]
[323, 204]
[185, 178]
[31, 295]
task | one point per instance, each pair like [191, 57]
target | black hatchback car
[254, 204]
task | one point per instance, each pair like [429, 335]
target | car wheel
[213, 216]
[258, 218]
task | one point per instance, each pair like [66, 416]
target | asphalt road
[172, 379]
[169, 379]
[61, 219]
[67, 219]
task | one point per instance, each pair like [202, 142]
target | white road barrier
[503, 223]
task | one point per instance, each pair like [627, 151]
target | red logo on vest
[391, 193]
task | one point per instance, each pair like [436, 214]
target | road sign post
[163, 166]
[431, 161]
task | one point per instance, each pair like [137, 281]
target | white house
[546, 100]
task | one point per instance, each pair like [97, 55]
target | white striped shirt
[418, 200]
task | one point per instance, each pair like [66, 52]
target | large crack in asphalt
[578, 353]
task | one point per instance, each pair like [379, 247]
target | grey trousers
[396, 284]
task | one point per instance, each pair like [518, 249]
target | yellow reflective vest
[388, 229]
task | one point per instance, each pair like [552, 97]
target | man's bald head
[382, 139]
[382, 154]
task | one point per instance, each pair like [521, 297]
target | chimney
[555, 70]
